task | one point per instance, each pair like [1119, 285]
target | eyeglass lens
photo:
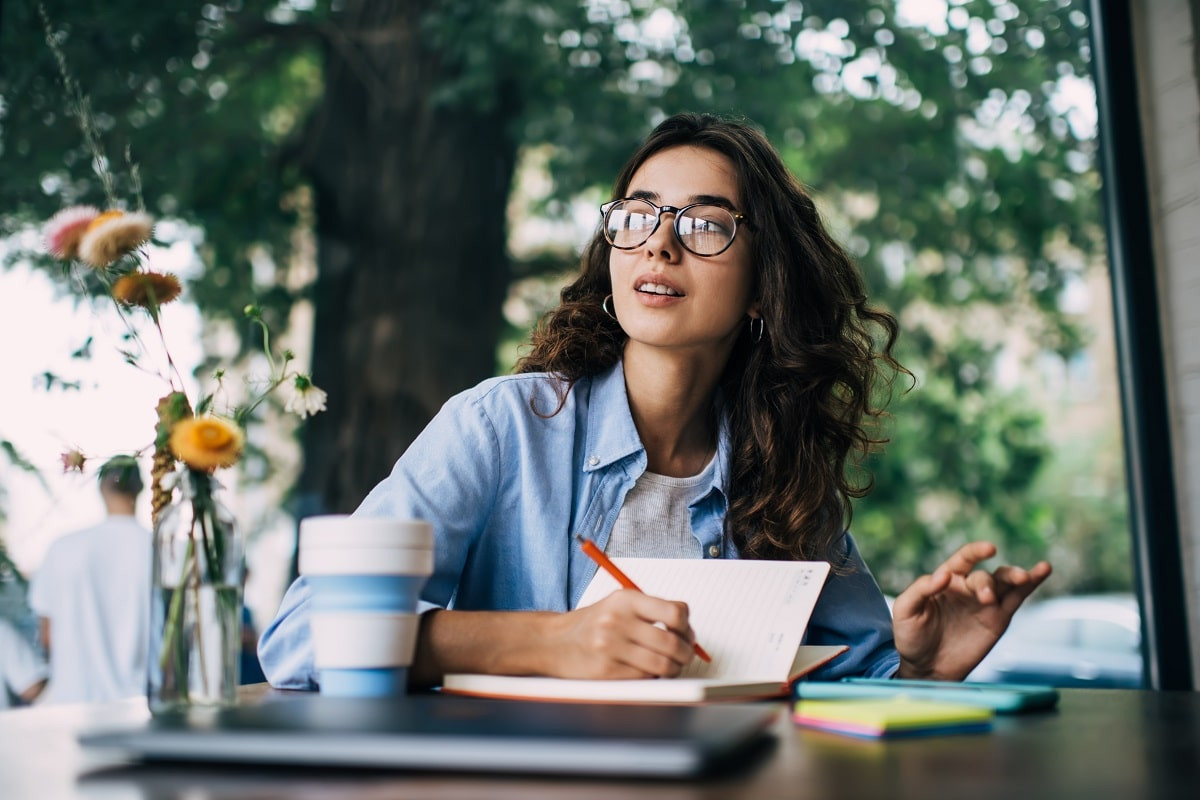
[705, 230]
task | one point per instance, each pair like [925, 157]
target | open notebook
[749, 615]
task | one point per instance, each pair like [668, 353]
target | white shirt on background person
[21, 666]
[94, 588]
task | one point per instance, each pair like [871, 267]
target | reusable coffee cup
[365, 577]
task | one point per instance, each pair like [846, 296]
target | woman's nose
[663, 243]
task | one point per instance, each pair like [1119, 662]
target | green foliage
[18, 460]
[1083, 490]
[959, 467]
[204, 101]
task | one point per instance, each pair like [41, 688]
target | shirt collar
[723, 445]
[612, 435]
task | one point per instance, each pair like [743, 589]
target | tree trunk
[410, 214]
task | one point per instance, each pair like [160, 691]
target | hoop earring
[757, 331]
[604, 305]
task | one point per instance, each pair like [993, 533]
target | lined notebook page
[749, 615]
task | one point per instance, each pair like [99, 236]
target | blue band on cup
[372, 682]
[365, 592]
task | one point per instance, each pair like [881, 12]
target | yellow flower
[146, 289]
[205, 443]
[112, 235]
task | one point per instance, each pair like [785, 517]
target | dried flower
[206, 443]
[146, 289]
[114, 234]
[171, 408]
[73, 460]
[65, 229]
[306, 397]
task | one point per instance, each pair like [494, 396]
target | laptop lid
[435, 732]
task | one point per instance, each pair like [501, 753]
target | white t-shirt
[20, 665]
[655, 521]
[94, 587]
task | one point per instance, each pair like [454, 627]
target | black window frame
[1153, 514]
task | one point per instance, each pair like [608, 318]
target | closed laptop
[435, 732]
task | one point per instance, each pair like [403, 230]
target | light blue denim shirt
[506, 491]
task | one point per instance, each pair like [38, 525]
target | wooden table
[1098, 744]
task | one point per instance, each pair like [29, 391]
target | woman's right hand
[626, 635]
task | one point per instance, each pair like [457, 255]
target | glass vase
[196, 599]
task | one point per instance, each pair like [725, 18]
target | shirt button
[593, 461]
[714, 551]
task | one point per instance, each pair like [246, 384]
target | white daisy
[306, 397]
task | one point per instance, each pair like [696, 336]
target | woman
[696, 394]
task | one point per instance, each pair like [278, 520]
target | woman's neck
[670, 397]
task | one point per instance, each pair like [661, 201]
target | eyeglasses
[702, 228]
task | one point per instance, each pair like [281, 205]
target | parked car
[1084, 640]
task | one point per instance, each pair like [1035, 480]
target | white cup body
[363, 640]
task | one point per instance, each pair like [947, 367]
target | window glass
[1104, 635]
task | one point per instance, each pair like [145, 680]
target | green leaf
[18, 460]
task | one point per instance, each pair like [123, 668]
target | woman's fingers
[664, 639]
[912, 600]
[1010, 575]
[657, 652]
[642, 636]
[1006, 585]
[1019, 583]
[982, 584]
[968, 556]
[671, 614]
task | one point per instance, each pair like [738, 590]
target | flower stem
[173, 635]
[174, 370]
[266, 335]
[196, 584]
[80, 107]
[243, 414]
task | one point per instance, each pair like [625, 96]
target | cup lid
[342, 530]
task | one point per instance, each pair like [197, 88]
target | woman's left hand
[945, 623]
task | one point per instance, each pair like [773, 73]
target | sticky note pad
[892, 717]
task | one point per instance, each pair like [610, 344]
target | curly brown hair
[801, 401]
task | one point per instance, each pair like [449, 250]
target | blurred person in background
[92, 597]
[22, 669]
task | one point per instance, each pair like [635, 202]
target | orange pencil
[597, 555]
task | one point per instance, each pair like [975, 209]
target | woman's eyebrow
[713, 200]
[707, 199]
